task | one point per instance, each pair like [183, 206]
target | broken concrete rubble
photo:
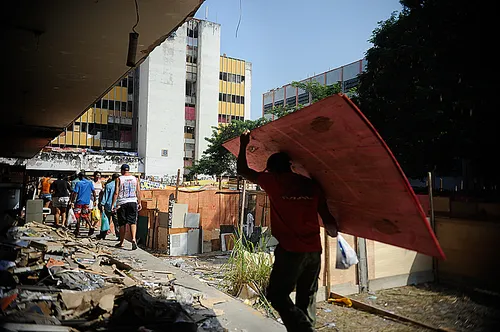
[85, 285]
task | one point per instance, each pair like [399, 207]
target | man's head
[81, 175]
[279, 163]
[60, 176]
[125, 169]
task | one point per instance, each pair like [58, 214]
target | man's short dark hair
[278, 162]
[115, 176]
[60, 176]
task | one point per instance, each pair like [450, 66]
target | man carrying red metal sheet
[295, 203]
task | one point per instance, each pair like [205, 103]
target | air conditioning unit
[164, 153]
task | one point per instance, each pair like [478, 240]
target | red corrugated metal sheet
[367, 191]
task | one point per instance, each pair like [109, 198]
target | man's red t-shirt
[294, 210]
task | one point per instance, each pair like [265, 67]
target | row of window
[125, 82]
[114, 105]
[231, 98]
[108, 131]
[228, 118]
[234, 78]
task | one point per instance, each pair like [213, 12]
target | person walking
[127, 203]
[295, 203]
[107, 201]
[96, 181]
[82, 196]
[60, 190]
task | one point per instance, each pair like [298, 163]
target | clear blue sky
[289, 40]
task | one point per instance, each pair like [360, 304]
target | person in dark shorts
[127, 204]
[295, 203]
[60, 190]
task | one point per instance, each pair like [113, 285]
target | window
[191, 89]
[124, 106]
[231, 78]
[278, 103]
[129, 104]
[290, 101]
[125, 82]
[191, 76]
[238, 100]
[224, 77]
[98, 104]
[111, 105]
[220, 96]
[233, 98]
[130, 85]
[303, 98]
[220, 75]
[243, 78]
[267, 107]
[105, 104]
[242, 99]
[117, 105]
[224, 97]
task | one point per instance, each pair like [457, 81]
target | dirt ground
[432, 304]
[435, 305]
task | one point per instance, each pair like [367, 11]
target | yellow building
[108, 125]
[234, 89]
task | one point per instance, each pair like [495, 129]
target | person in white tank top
[127, 203]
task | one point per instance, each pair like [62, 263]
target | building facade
[288, 95]
[109, 124]
[235, 84]
[163, 110]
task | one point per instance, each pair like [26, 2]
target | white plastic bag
[346, 256]
[71, 217]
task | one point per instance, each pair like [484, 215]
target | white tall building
[178, 105]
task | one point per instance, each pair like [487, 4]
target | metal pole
[431, 200]
[177, 184]
[242, 215]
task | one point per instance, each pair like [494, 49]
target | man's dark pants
[299, 271]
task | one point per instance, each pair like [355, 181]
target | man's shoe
[134, 246]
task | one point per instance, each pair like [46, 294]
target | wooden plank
[392, 261]
[362, 265]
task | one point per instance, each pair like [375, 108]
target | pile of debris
[52, 281]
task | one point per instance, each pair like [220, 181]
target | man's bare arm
[115, 195]
[242, 164]
[138, 194]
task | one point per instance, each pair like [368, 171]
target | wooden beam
[327, 264]
[362, 265]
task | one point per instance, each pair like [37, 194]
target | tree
[423, 91]
[216, 160]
